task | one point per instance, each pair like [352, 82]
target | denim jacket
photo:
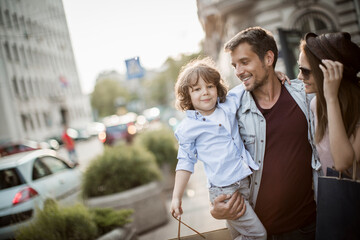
[252, 126]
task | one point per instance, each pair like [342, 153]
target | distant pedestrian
[69, 145]
[210, 134]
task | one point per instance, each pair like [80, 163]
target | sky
[104, 33]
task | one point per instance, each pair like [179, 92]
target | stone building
[288, 20]
[39, 83]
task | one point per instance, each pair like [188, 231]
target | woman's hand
[333, 72]
[282, 77]
[232, 209]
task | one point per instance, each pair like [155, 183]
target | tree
[106, 96]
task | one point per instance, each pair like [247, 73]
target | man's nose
[238, 71]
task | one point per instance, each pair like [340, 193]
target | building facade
[288, 20]
[39, 83]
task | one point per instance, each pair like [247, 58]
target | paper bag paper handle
[181, 222]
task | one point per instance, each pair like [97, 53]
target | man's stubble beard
[257, 84]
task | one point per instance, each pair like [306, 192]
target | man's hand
[232, 209]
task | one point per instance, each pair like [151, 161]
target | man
[274, 128]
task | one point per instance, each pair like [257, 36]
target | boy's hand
[232, 209]
[176, 209]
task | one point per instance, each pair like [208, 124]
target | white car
[27, 179]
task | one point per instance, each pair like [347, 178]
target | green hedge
[118, 169]
[107, 219]
[162, 143]
[74, 222]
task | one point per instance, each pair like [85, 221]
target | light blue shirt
[223, 154]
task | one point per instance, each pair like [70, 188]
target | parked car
[78, 134]
[116, 133]
[27, 179]
[94, 128]
[10, 148]
[118, 128]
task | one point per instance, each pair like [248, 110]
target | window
[54, 164]
[23, 56]
[23, 89]
[47, 119]
[33, 88]
[15, 86]
[7, 51]
[15, 20]
[38, 119]
[31, 121]
[24, 122]
[16, 53]
[316, 22]
[1, 18]
[29, 88]
[39, 170]
[8, 19]
[22, 22]
[9, 178]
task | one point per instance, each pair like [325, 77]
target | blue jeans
[248, 226]
[73, 156]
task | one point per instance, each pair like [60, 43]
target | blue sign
[134, 68]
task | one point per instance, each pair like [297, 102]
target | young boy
[210, 134]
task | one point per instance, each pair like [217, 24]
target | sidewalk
[196, 211]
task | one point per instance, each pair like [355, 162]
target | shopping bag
[219, 234]
[338, 208]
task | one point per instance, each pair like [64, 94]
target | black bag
[338, 208]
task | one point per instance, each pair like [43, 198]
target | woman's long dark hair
[349, 97]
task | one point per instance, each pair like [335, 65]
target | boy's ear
[269, 58]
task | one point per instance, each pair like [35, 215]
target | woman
[329, 64]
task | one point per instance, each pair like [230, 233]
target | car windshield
[9, 178]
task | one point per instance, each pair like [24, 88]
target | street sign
[134, 68]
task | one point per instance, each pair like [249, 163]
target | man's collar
[246, 101]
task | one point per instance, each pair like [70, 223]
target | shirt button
[262, 120]
[197, 113]
[232, 138]
[220, 125]
[259, 161]
[204, 119]
[255, 183]
[262, 141]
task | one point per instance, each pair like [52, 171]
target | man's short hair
[260, 40]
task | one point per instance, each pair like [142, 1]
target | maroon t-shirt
[285, 200]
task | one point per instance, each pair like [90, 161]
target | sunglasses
[305, 72]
